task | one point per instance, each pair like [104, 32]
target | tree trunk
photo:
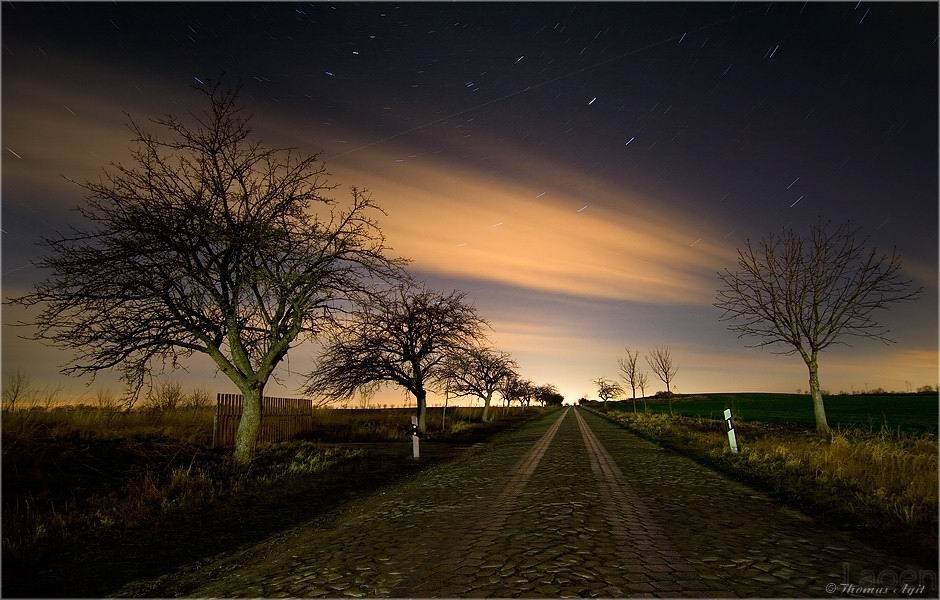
[634, 404]
[819, 408]
[421, 398]
[444, 412]
[486, 407]
[246, 438]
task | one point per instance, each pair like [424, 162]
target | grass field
[86, 485]
[905, 412]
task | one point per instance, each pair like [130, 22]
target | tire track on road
[474, 538]
[644, 549]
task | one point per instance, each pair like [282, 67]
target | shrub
[165, 396]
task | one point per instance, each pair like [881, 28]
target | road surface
[567, 505]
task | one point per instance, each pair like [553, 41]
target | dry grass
[186, 424]
[71, 472]
[394, 424]
[880, 480]
[62, 488]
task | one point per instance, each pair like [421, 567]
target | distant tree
[525, 392]
[629, 371]
[642, 380]
[165, 396]
[15, 389]
[811, 292]
[607, 389]
[208, 243]
[660, 361]
[547, 395]
[582, 401]
[477, 371]
[197, 399]
[402, 338]
[510, 389]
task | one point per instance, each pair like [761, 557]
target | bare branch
[808, 293]
[660, 361]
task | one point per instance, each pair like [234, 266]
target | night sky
[581, 170]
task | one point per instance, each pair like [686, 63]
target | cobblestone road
[569, 505]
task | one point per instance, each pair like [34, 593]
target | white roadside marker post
[732, 440]
[415, 451]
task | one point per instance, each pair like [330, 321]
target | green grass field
[907, 412]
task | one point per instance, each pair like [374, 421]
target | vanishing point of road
[569, 504]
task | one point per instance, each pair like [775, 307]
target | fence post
[215, 420]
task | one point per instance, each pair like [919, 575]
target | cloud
[626, 269]
[452, 219]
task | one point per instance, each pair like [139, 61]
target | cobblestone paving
[741, 538]
[570, 505]
[379, 541]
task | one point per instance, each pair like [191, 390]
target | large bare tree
[607, 389]
[207, 242]
[478, 371]
[630, 372]
[403, 338]
[810, 292]
[660, 361]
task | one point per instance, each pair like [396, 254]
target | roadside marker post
[415, 451]
[732, 440]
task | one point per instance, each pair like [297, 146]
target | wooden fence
[281, 419]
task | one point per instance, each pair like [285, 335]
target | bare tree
[512, 389]
[211, 243]
[660, 361]
[516, 389]
[629, 371]
[197, 399]
[477, 371]
[809, 293]
[642, 380]
[16, 389]
[607, 389]
[403, 337]
[165, 396]
[548, 395]
[525, 392]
